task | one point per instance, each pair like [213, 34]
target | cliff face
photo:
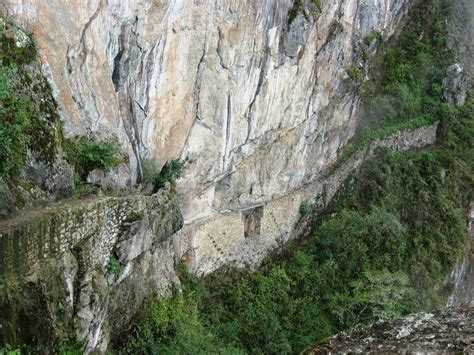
[253, 93]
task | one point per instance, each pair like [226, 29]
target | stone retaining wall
[222, 239]
[84, 267]
[49, 233]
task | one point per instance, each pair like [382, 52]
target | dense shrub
[14, 126]
[170, 326]
[114, 266]
[305, 208]
[170, 172]
[88, 154]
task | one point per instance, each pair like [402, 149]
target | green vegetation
[25, 124]
[370, 38]
[170, 172]
[10, 53]
[134, 216]
[14, 124]
[298, 7]
[382, 249]
[82, 189]
[356, 74]
[88, 154]
[305, 208]
[405, 86]
[114, 266]
[171, 326]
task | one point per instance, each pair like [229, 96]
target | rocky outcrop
[461, 32]
[257, 103]
[450, 331]
[84, 267]
[44, 174]
[255, 99]
[456, 84]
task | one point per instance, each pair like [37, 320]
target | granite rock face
[255, 100]
[463, 275]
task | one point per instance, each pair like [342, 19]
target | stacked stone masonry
[51, 232]
[223, 240]
[215, 241]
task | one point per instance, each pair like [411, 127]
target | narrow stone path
[29, 214]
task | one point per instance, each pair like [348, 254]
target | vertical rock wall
[256, 100]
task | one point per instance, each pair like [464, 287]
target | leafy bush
[134, 216]
[114, 266]
[170, 172]
[88, 154]
[305, 208]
